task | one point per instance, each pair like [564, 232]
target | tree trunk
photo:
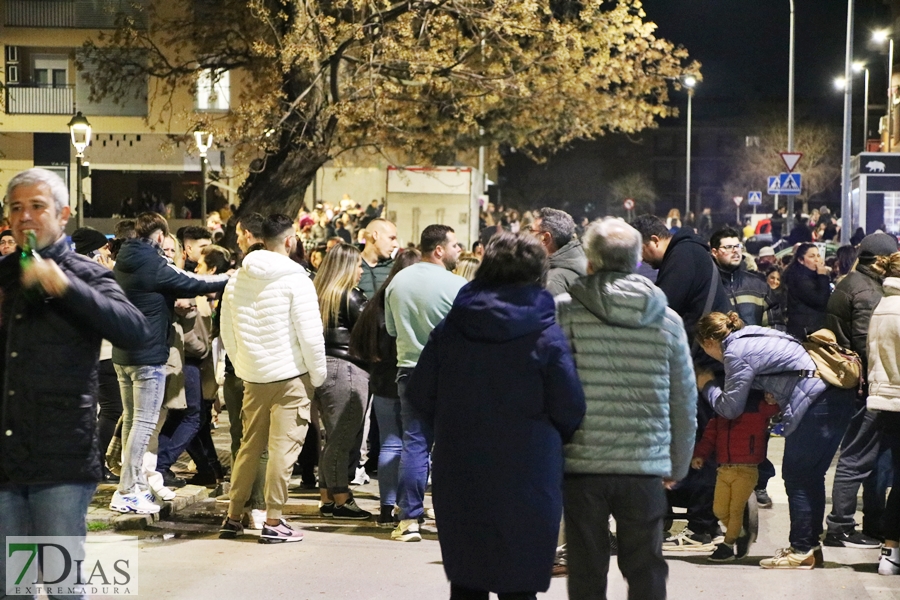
[278, 186]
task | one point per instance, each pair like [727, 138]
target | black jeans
[461, 593]
[109, 397]
[201, 449]
[638, 503]
[890, 525]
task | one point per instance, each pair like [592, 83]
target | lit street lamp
[880, 37]
[690, 82]
[204, 142]
[80, 130]
[840, 83]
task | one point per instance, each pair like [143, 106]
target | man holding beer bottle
[55, 308]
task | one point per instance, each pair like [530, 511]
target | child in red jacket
[739, 445]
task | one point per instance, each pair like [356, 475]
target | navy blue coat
[153, 284]
[48, 409]
[498, 382]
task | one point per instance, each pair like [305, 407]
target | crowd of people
[577, 374]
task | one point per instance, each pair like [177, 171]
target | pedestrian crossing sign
[790, 183]
[774, 185]
[754, 198]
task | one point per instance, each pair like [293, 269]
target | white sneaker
[163, 493]
[429, 514]
[361, 478]
[889, 563]
[137, 502]
[257, 518]
[407, 531]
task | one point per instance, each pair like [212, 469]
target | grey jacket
[566, 265]
[634, 363]
[764, 359]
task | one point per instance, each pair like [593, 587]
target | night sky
[743, 47]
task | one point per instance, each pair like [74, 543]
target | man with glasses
[556, 231]
[753, 299]
[749, 293]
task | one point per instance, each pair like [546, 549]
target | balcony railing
[39, 100]
[82, 14]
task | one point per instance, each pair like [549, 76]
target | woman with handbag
[815, 416]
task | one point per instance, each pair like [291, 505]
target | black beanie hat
[88, 239]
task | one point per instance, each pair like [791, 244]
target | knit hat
[88, 239]
[766, 251]
[878, 244]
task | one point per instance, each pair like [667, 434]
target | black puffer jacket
[153, 284]
[850, 308]
[337, 337]
[49, 368]
[807, 298]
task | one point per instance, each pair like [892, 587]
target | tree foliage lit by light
[420, 78]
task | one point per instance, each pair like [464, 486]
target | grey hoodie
[633, 360]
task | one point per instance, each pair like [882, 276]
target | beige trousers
[274, 415]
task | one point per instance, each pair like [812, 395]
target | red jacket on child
[740, 441]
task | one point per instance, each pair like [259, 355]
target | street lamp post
[690, 82]
[848, 115]
[789, 217]
[204, 142]
[80, 130]
[866, 112]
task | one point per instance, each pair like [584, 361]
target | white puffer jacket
[271, 326]
[884, 350]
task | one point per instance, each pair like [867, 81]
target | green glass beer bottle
[29, 253]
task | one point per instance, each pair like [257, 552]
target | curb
[100, 515]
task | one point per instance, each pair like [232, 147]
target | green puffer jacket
[634, 363]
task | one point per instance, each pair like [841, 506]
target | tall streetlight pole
[848, 115]
[204, 141]
[690, 82]
[865, 146]
[789, 217]
[80, 130]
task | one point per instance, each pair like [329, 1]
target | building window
[213, 90]
[892, 211]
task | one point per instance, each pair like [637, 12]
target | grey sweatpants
[342, 402]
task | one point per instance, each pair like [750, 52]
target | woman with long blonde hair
[342, 399]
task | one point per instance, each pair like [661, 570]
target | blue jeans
[49, 509]
[807, 455]
[181, 425]
[390, 429]
[418, 437]
[143, 388]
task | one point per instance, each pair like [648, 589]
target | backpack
[834, 364]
